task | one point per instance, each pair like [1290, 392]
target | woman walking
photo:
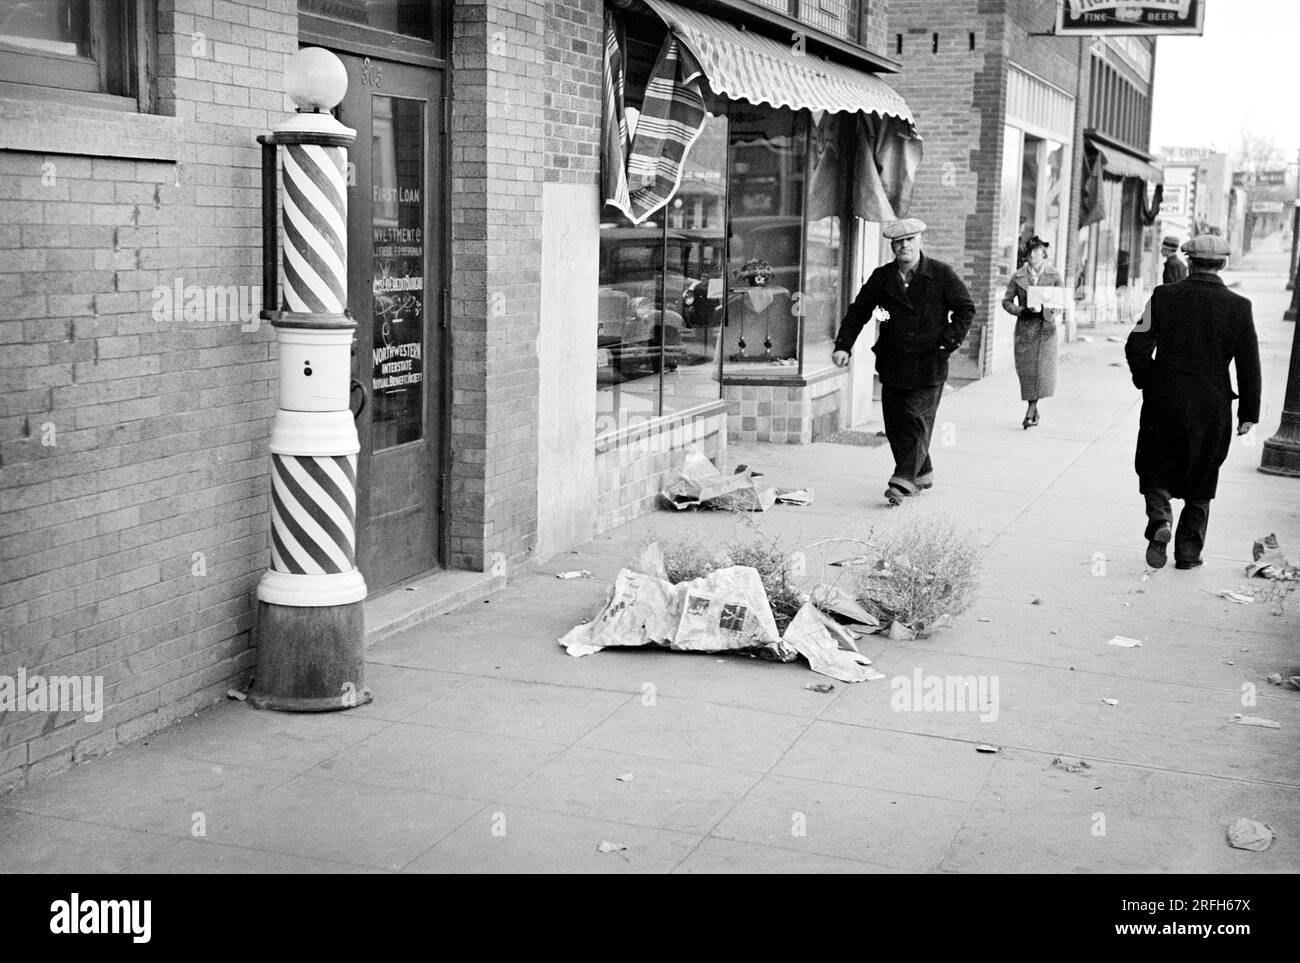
[1035, 344]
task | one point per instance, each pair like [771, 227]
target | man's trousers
[909, 423]
[1189, 538]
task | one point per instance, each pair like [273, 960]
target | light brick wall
[499, 80]
[575, 57]
[158, 424]
[959, 98]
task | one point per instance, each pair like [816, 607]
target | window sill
[54, 126]
[809, 377]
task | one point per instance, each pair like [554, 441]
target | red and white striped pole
[311, 627]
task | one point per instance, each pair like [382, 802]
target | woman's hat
[1034, 242]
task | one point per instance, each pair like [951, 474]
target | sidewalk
[489, 749]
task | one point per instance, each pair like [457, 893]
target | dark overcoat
[1179, 353]
[915, 342]
[1175, 269]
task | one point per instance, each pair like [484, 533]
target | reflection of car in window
[634, 336]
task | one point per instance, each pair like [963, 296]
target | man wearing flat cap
[925, 312]
[1175, 269]
[1194, 330]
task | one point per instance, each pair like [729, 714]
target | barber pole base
[309, 659]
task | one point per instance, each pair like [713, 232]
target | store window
[1034, 196]
[768, 164]
[79, 45]
[661, 292]
[740, 276]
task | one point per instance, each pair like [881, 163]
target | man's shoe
[1157, 546]
[1195, 563]
[895, 495]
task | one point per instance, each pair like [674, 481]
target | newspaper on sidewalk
[1269, 562]
[724, 611]
[828, 647]
[699, 484]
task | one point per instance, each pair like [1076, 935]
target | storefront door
[395, 295]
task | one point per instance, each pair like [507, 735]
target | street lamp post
[1282, 451]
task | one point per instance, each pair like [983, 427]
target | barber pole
[310, 645]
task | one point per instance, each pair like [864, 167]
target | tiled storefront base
[786, 412]
[632, 462]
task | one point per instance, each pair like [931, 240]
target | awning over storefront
[748, 66]
[641, 173]
[1118, 162]
[1102, 158]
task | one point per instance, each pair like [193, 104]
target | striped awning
[748, 66]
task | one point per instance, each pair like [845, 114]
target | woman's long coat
[1035, 342]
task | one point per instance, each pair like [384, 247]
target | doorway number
[372, 75]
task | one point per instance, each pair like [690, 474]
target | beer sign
[1117, 18]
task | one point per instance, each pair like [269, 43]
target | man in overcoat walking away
[1179, 353]
[925, 312]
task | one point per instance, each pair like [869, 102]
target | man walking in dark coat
[1175, 269]
[925, 312]
[1195, 329]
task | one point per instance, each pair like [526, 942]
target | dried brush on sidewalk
[928, 570]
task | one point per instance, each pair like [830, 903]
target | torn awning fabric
[745, 65]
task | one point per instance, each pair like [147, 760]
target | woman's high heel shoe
[1026, 423]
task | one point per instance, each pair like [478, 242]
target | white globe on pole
[315, 79]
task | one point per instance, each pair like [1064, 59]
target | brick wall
[959, 97]
[133, 460]
[499, 81]
[877, 38]
[575, 60]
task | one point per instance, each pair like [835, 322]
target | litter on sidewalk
[1078, 766]
[1241, 720]
[794, 496]
[726, 610]
[984, 747]
[1288, 678]
[582, 574]
[1250, 834]
[1237, 597]
[1269, 562]
[1111, 702]
[1124, 642]
[699, 484]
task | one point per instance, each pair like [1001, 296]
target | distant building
[1025, 131]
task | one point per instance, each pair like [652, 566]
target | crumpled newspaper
[828, 647]
[724, 611]
[1269, 562]
[699, 483]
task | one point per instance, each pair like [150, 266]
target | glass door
[395, 295]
